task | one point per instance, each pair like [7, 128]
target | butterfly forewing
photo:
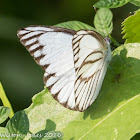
[51, 47]
[74, 62]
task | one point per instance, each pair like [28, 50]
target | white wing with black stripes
[74, 62]
[91, 56]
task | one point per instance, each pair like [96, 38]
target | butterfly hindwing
[90, 51]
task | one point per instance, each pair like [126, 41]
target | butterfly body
[75, 62]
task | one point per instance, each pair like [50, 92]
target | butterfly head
[108, 41]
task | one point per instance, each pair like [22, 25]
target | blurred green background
[20, 75]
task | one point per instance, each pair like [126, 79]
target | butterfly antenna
[114, 41]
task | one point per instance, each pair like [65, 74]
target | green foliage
[136, 2]
[75, 25]
[136, 137]
[103, 21]
[4, 113]
[115, 113]
[110, 3]
[131, 28]
[18, 128]
[44, 107]
[18, 125]
[115, 110]
[5, 100]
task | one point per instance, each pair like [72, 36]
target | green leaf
[103, 21]
[4, 113]
[50, 125]
[4, 134]
[131, 28]
[110, 3]
[136, 2]
[136, 137]
[75, 25]
[18, 125]
[115, 113]
[44, 107]
[5, 100]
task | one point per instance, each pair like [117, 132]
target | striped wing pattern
[74, 62]
[51, 48]
[90, 51]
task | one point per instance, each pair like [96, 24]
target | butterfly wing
[74, 62]
[91, 57]
[51, 47]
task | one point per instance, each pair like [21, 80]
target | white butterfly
[75, 62]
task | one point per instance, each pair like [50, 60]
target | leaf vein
[109, 116]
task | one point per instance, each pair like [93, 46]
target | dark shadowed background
[20, 75]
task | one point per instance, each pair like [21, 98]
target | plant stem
[114, 41]
[5, 100]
